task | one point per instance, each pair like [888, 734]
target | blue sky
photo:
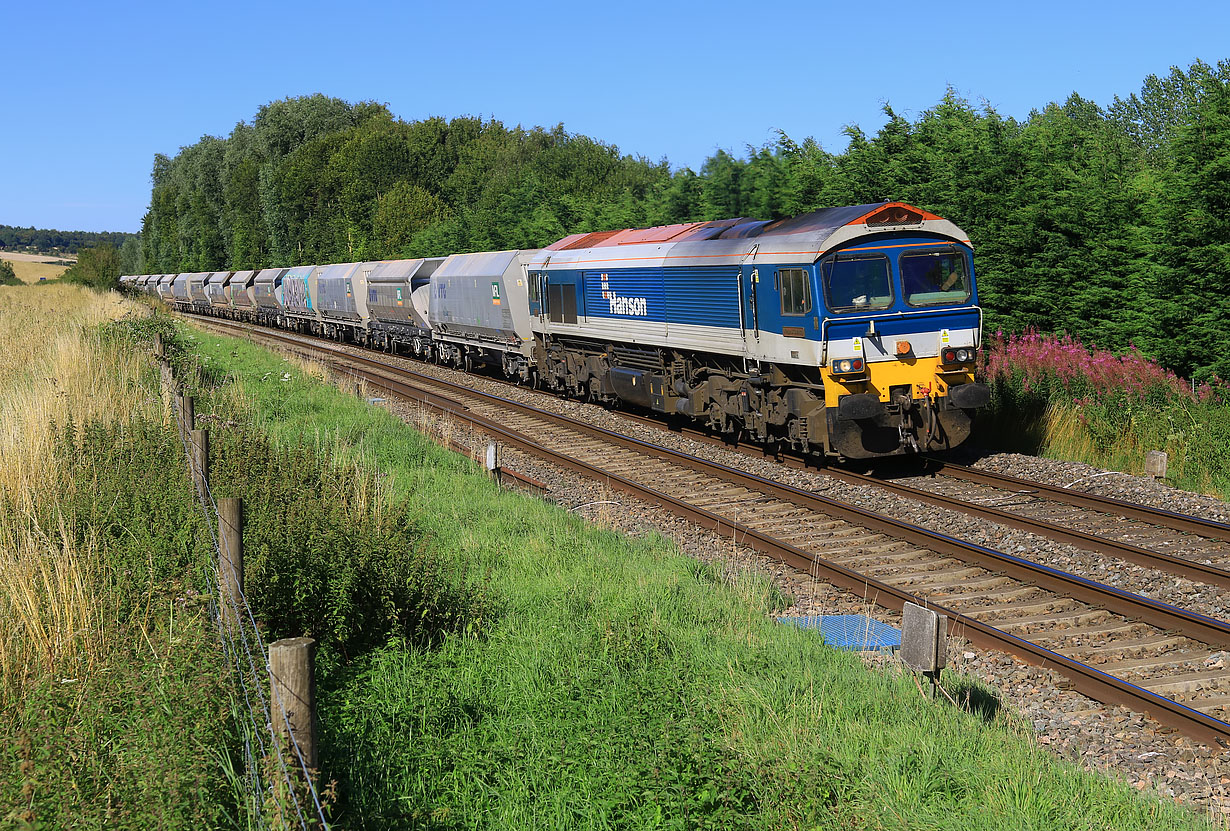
[94, 90]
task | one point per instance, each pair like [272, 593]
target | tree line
[50, 241]
[1110, 223]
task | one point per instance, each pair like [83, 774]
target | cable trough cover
[857, 633]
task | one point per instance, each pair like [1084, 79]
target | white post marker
[493, 461]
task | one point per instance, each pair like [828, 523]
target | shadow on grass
[974, 698]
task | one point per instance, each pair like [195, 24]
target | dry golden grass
[53, 366]
[29, 271]
[50, 624]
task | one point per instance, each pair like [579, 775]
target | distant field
[36, 258]
[29, 267]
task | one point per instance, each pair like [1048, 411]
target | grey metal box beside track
[924, 638]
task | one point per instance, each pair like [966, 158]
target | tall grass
[55, 366]
[48, 615]
[1054, 396]
[111, 694]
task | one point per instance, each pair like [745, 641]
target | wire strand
[239, 612]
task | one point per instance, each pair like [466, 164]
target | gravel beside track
[1107, 739]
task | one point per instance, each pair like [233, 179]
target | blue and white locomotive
[849, 332]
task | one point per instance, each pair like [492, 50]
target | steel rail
[1086, 679]
[1191, 569]
[1156, 516]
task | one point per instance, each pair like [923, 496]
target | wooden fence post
[188, 411]
[200, 460]
[292, 694]
[230, 563]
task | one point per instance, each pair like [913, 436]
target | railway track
[1184, 545]
[1113, 645]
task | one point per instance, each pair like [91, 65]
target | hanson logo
[629, 306]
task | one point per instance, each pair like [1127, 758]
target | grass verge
[616, 683]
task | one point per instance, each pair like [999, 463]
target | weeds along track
[1115, 646]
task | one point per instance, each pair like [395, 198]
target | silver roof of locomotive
[802, 238]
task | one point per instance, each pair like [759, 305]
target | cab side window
[795, 290]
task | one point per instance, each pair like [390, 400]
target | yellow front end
[900, 405]
[925, 377]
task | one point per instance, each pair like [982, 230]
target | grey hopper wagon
[388, 288]
[299, 296]
[479, 308]
[215, 288]
[237, 293]
[335, 292]
[266, 286]
[196, 288]
[178, 287]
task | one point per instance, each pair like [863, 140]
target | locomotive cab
[900, 341]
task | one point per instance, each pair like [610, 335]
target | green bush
[99, 268]
[125, 487]
[319, 565]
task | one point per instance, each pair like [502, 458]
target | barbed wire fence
[275, 771]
